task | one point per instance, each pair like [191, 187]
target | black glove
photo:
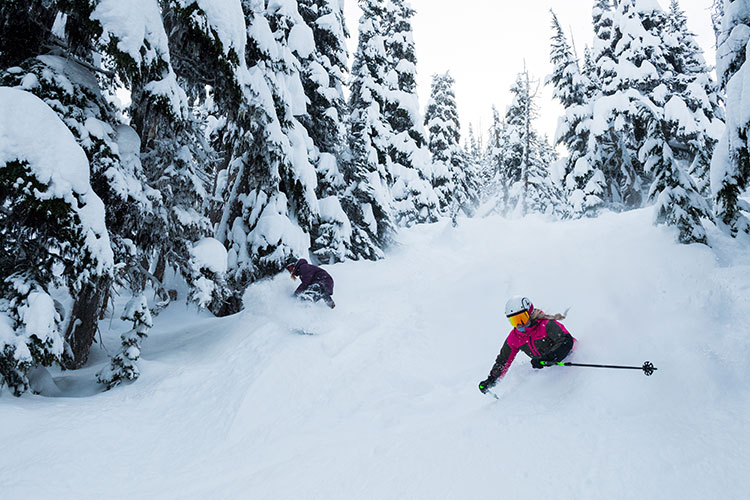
[537, 362]
[486, 385]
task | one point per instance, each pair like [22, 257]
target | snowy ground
[383, 403]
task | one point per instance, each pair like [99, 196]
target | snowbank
[382, 401]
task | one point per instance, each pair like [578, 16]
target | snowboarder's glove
[486, 385]
[539, 362]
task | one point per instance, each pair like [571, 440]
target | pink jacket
[546, 340]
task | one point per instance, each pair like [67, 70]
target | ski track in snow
[382, 402]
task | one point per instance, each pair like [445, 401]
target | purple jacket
[310, 274]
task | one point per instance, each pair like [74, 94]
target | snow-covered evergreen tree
[573, 89]
[717, 15]
[66, 80]
[730, 167]
[441, 120]
[495, 183]
[626, 55]
[678, 202]
[414, 199]
[691, 86]
[207, 277]
[123, 365]
[323, 76]
[677, 113]
[474, 145]
[52, 233]
[654, 99]
[269, 196]
[172, 151]
[369, 201]
[527, 157]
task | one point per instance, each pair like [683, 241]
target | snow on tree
[136, 42]
[717, 14]
[323, 74]
[495, 186]
[123, 365]
[117, 177]
[414, 199]
[572, 89]
[730, 166]
[66, 79]
[653, 112]
[441, 120]
[527, 157]
[692, 87]
[369, 201]
[678, 202]
[208, 266]
[625, 56]
[465, 173]
[269, 202]
[677, 113]
[53, 233]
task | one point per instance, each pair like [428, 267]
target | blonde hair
[538, 314]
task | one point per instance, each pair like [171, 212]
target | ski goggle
[519, 319]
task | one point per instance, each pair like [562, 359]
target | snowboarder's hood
[300, 263]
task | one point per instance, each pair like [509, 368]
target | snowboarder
[316, 284]
[540, 336]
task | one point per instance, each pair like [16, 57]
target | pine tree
[441, 120]
[414, 199]
[496, 184]
[626, 56]
[123, 365]
[730, 166]
[368, 200]
[666, 118]
[209, 52]
[546, 195]
[573, 90]
[717, 15]
[170, 137]
[323, 75]
[53, 235]
[66, 79]
[527, 157]
[269, 197]
[691, 86]
[678, 202]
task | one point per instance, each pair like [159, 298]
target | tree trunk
[161, 267]
[83, 321]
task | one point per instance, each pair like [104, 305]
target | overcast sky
[484, 44]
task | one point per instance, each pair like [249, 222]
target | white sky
[484, 44]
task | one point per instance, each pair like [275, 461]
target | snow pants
[316, 292]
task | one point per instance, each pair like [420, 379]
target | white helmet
[518, 304]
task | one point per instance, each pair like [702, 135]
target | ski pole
[648, 367]
[492, 394]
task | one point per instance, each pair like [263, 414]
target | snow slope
[383, 403]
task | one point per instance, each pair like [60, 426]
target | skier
[540, 336]
[316, 284]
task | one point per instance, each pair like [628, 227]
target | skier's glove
[537, 362]
[486, 385]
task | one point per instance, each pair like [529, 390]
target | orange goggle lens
[519, 319]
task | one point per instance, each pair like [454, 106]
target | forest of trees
[133, 134]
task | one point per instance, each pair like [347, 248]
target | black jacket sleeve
[500, 361]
